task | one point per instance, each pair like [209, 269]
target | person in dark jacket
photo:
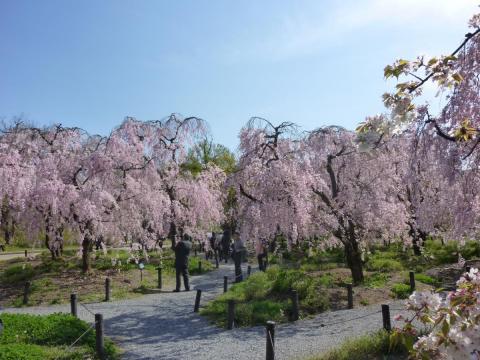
[262, 257]
[182, 251]
[238, 254]
[226, 240]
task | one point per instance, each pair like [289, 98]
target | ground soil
[55, 288]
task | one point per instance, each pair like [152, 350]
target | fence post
[295, 312]
[26, 253]
[249, 270]
[230, 314]
[270, 340]
[99, 344]
[159, 270]
[197, 300]
[73, 304]
[412, 281]
[386, 317]
[26, 292]
[350, 296]
[107, 289]
[225, 284]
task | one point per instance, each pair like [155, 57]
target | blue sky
[91, 63]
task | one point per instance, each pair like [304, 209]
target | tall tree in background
[206, 152]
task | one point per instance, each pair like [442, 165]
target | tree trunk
[172, 233]
[416, 247]
[354, 259]
[48, 245]
[6, 221]
[415, 234]
[86, 248]
[7, 234]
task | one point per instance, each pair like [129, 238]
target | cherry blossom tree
[128, 186]
[318, 185]
[456, 78]
[356, 192]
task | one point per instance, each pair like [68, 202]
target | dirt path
[163, 326]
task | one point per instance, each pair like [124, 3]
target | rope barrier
[87, 309]
[355, 318]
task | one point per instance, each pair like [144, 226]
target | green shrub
[423, 279]
[37, 352]
[257, 286]
[326, 280]
[446, 253]
[315, 303]
[471, 249]
[258, 312]
[266, 296]
[17, 274]
[383, 265]
[50, 330]
[285, 279]
[193, 266]
[368, 347]
[376, 280]
[401, 291]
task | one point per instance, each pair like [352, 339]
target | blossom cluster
[453, 323]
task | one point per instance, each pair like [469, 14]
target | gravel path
[163, 326]
[14, 255]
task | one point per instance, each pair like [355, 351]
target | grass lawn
[32, 337]
[54, 281]
[374, 346]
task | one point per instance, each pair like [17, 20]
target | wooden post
[350, 296]
[26, 253]
[295, 311]
[386, 317]
[26, 292]
[270, 340]
[230, 314]
[73, 304]
[249, 270]
[197, 300]
[225, 284]
[412, 281]
[99, 343]
[159, 271]
[107, 289]
[141, 275]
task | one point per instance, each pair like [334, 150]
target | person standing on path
[182, 250]
[226, 244]
[238, 254]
